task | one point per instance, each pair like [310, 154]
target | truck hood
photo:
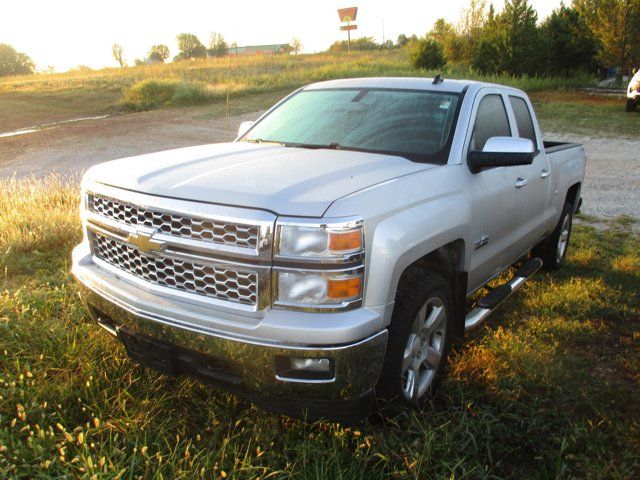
[283, 180]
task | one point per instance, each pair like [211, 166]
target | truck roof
[408, 83]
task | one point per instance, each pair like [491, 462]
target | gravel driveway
[612, 186]
[612, 182]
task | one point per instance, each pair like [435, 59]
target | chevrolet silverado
[328, 257]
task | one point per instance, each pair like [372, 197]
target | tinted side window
[523, 119]
[491, 121]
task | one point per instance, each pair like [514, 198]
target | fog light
[311, 364]
[304, 369]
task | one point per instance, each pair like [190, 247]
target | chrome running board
[486, 305]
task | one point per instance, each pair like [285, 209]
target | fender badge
[482, 241]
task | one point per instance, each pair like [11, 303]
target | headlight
[311, 288]
[319, 264]
[334, 240]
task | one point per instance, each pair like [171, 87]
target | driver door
[496, 204]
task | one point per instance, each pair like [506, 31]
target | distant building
[275, 49]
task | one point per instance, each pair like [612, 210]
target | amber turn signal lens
[341, 288]
[347, 241]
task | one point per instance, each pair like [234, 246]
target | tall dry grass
[38, 214]
[261, 73]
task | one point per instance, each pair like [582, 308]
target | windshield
[414, 124]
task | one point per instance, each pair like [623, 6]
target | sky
[68, 33]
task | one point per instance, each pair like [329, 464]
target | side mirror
[502, 152]
[244, 127]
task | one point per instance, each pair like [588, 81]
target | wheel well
[444, 260]
[448, 261]
[572, 194]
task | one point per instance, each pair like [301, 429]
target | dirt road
[612, 186]
[74, 147]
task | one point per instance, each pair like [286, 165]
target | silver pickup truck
[329, 256]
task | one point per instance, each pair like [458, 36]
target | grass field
[36, 99]
[548, 388]
[585, 114]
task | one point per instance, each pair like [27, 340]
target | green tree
[388, 45]
[118, 53]
[616, 26]
[521, 38]
[402, 40]
[218, 46]
[445, 34]
[296, 45]
[362, 43]
[190, 47]
[484, 58]
[427, 53]
[158, 54]
[468, 32]
[510, 42]
[569, 43]
[13, 62]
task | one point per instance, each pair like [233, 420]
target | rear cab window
[524, 122]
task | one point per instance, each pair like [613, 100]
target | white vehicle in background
[633, 92]
[330, 255]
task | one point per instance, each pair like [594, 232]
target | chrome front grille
[179, 225]
[213, 281]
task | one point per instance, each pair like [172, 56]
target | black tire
[549, 250]
[631, 105]
[417, 288]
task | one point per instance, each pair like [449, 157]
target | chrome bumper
[357, 364]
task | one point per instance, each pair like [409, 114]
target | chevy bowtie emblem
[144, 243]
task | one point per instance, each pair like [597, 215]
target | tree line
[13, 62]
[580, 37]
[189, 47]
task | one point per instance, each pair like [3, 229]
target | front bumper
[243, 364]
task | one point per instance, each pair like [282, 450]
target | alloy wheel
[424, 349]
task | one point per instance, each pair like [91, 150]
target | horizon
[85, 37]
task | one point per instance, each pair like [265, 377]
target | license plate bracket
[152, 353]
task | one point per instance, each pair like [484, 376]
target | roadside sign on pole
[348, 14]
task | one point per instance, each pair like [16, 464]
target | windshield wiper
[314, 146]
[259, 140]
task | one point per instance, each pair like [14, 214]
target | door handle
[521, 182]
[545, 173]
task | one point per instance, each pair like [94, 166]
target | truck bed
[551, 147]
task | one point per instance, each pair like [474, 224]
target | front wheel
[631, 105]
[553, 249]
[419, 338]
